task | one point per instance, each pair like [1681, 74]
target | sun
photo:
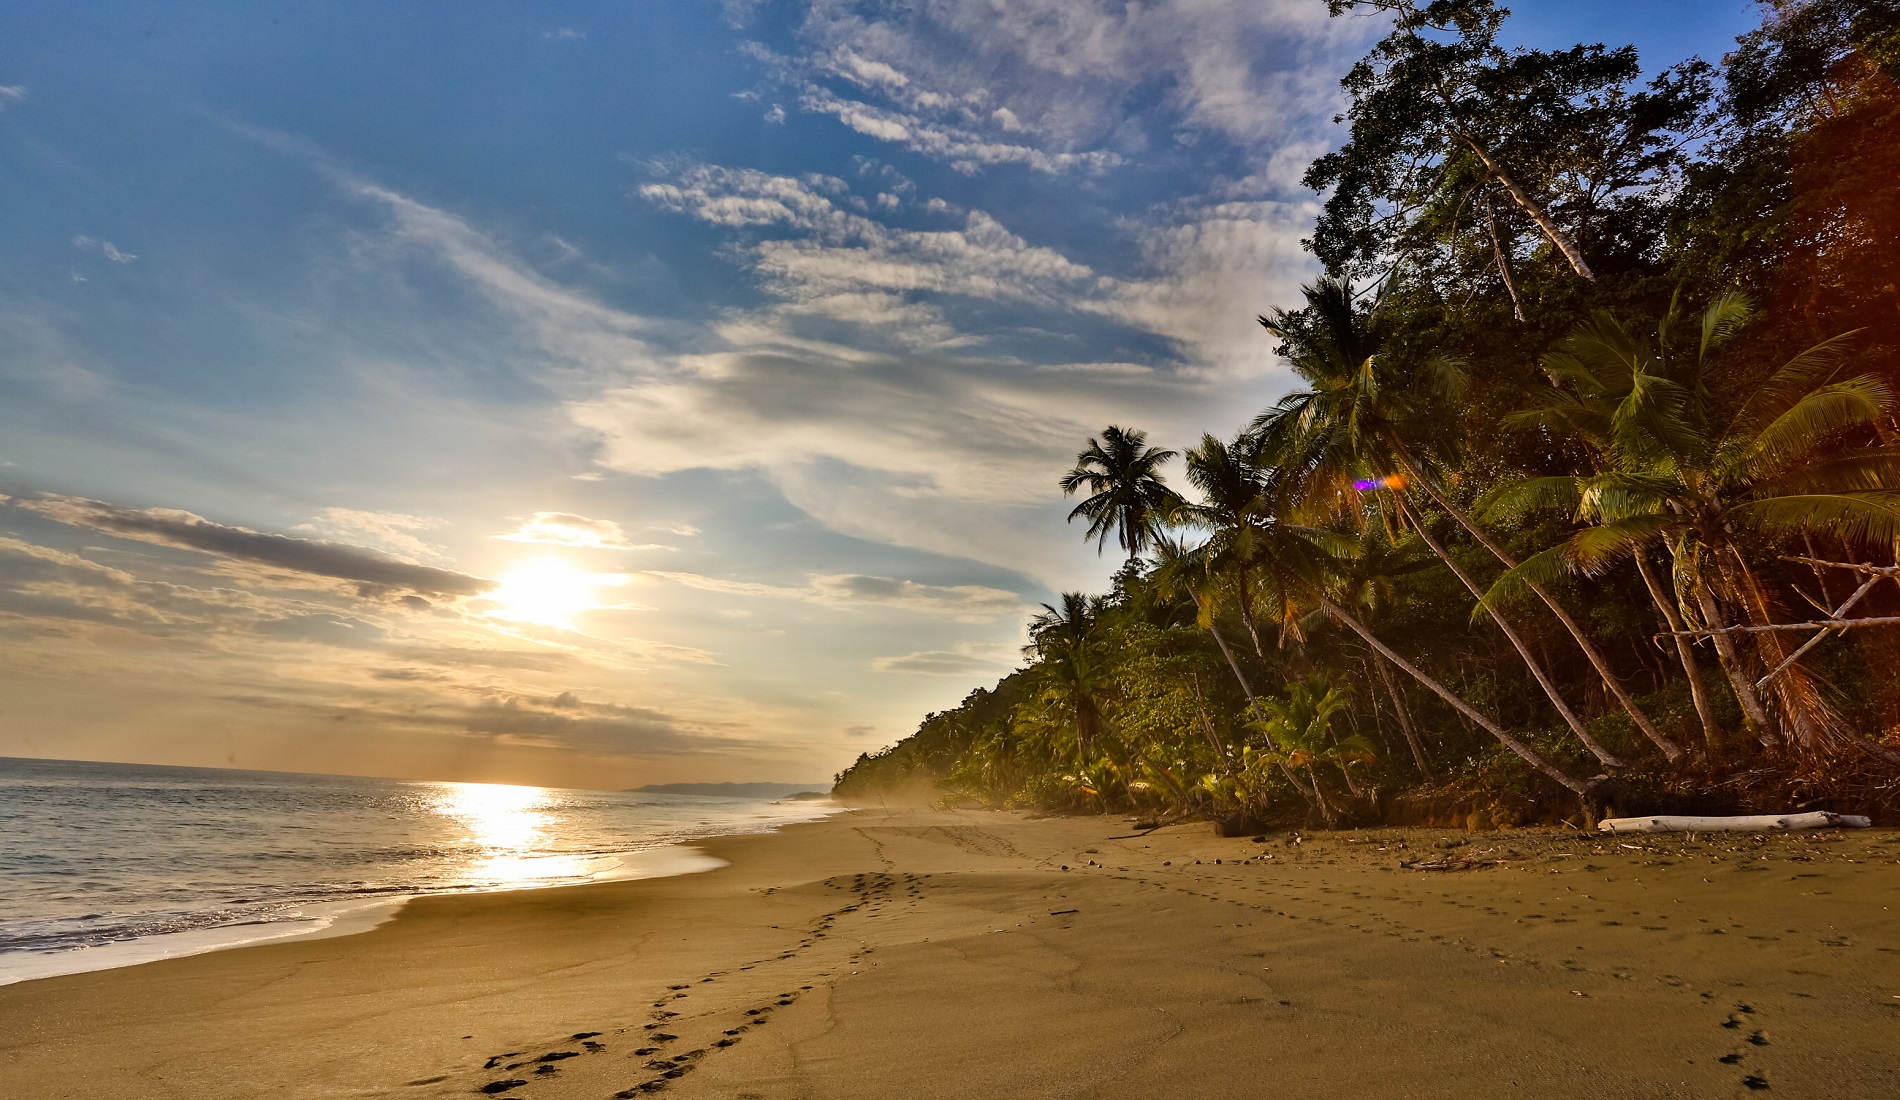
[548, 591]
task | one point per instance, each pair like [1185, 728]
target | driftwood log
[1760, 823]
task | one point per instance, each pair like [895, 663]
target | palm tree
[1063, 642]
[1179, 569]
[1354, 418]
[1233, 509]
[1681, 470]
[1368, 582]
[1307, 563]
[1127, 496]
[1299, 731]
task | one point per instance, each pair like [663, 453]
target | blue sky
[742, 344]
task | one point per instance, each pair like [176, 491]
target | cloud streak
[972, 603]
[371, 572]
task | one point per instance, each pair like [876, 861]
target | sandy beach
[932, 954]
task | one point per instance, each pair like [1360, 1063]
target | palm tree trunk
[1670, 750]
[1604, 756]
[1731, 662]
[1405, 720]
[1504, 261]
[1325, 811]
[1535, 759]
[1530, 206]
[1239, 676]
[1799, 702]
[1685, 652]
[1246, 613]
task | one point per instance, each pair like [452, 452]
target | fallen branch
[1447, 864]
[1821, 624]
[1760, 823]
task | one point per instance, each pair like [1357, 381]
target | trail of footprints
[871, 893]
[1742, 1018]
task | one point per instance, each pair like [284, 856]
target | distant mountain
[735, 790]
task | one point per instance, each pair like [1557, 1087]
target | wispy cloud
[568, 529]
[391, 531]
[965, 661]
[105, 248]
[370, 572]
[1064, 85]
[974, 603]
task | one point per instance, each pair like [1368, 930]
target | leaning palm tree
[1180, 569]
[1681, 471]
[1233, 507]
[1127, 496]
[1307, 564]
[1354, 417]
[1368, 582]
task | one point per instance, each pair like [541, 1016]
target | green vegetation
[1599, 380]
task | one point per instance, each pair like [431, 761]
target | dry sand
[926, 955]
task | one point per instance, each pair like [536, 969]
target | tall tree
[1443, 117]
[1697, 474]
[1357, 416]
[1127, 496]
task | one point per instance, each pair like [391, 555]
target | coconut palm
[1127, 496]
[1355, 417]
[1368, 582]
[1180, 570]
[1682, 470]
[1233, 510]
[1298, 731]
[1069, 663]
[1308, 563]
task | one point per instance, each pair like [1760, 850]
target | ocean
[111, 864]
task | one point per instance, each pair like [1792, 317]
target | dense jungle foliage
[1595, 401]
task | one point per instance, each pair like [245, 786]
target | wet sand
[923, 955]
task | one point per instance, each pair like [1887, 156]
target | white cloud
[968, 602]
[1061, 85]
[105, 248]
[391, 531]
[965, 661]
[568, 529]
[11, 93]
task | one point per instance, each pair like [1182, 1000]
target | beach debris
[1756, 823]
[1061, 912]
[1447, 864]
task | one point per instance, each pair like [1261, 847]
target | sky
[597, 394]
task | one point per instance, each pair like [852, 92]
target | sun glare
[548, 591]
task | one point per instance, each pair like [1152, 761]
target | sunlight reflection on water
[509, 824]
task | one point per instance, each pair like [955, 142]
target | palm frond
[1870, 518]
[1529, 495]
[1844, 473]
[1810, 421]
[1593, 549]
[1541, 568]
[1721, 319]
[1793, 379]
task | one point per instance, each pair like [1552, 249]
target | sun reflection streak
[511, 826]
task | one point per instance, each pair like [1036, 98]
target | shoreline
[327, 919]
[948, 954]
[345, 917]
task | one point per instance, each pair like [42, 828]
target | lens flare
[1390, 481]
